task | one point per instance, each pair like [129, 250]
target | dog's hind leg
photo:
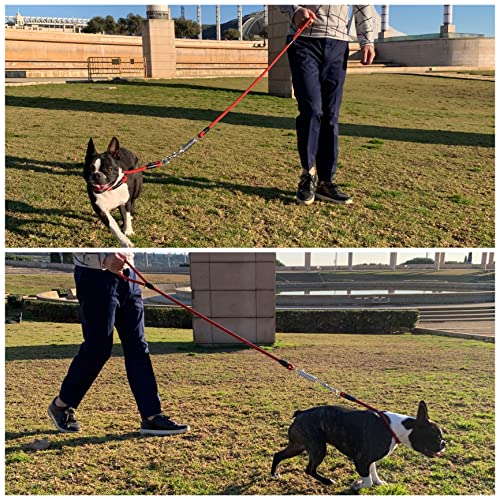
[317, 453]
[292, 450]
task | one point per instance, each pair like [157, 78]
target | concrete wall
[236, 290]
[49, 54]
[476, 52]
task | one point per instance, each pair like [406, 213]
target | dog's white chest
[109, 200]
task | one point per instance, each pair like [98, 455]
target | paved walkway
[476, 330]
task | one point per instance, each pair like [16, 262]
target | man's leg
[96, 292]
[332, 78]
[305, 58]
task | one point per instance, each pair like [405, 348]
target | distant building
[45, 23]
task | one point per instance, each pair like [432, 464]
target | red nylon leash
[142, 281]
[200, 135]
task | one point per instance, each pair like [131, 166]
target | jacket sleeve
[365, 23]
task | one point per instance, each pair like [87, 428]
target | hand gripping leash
[200, 135]
[289, 366]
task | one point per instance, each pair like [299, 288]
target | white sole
[302, 202]
[151, 432]
[325, 198]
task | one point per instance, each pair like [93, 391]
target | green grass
[429, 140]
[239, 406]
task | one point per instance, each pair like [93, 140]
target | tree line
[131, 25]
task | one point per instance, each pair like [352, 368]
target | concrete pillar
[217, 21]
[237, 290]
[448, 26]
[158, 48]
[280, 80]
[484, 260]
[350, 256]
[198, 16]
[240, 21]
[393, 260]
[437, 261]
[384, 21]
[307, 261]
[442, 260]
[491, 260]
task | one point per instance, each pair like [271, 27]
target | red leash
[200, 135]
[142, 281]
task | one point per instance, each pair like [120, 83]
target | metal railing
[116, 67]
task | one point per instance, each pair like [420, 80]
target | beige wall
[65, 54]
[476, 52]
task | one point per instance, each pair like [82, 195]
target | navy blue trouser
[318, 67]
[108, 301]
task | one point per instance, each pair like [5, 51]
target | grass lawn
[239, 406]
[416, 153]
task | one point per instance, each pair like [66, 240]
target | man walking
[108, 301]
[318, 63]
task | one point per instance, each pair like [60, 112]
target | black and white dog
[104, 174]
[361, 435]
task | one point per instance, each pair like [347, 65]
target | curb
[444, 333]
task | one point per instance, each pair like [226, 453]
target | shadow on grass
[44, 167]
[268, 193]
[68, 351]
[62, 443]
[451, 138]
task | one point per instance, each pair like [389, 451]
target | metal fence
[116, 67]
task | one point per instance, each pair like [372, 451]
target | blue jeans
[106, 301]
[318, 67]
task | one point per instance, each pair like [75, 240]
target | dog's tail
[297, 413]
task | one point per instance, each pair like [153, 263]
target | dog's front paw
[361, 483]
[275, 475]
[129, 232]
[379, 482]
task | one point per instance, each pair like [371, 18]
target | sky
[410, 19]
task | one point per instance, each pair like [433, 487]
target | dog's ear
[114, 147]
[423, 414]
[91, 151]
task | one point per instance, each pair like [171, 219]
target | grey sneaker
[64, 418]
[161, 425]
[327, 191]
[305, 191]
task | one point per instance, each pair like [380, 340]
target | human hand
[367, 54]
[114, 263]
[302, 15]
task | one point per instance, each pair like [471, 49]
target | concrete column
[384, 21]
[393, 260]
[237, 290]
[158, 48]
[491, 260]
[198, 12]
[240, 21]
[280, 80]
[307, 261]
[350, 256]
[437, 261]
[443, 260]
[484, 260]
[448, 26]
[217, 20]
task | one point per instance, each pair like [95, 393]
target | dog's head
[101, 171]
[425, 437]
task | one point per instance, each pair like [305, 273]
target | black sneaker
[327, 191]
[161, 425]
[64, 418]
[305, 191]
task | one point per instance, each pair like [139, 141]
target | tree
[95, 25]
[231, 34]
[185, 28]
[109, 25]
[419, 260]
[131, 25]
